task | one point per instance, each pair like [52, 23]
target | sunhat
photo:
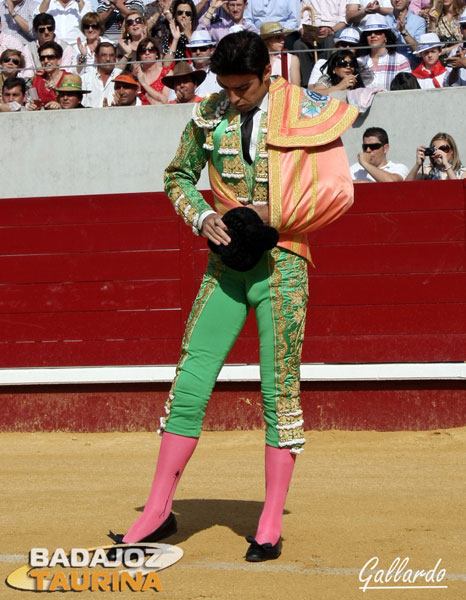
[428, 41]
[183, 69]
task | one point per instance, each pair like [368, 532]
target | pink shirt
[417, 5]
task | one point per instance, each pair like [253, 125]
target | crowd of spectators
[62, 54]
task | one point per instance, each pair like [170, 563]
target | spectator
[93, 28]
[329, 17]
[11, 64]
[44, 29]
[219, 26]
[340, 73]
[457, 59]
[133, 31]
[384, 62]
[273, 35]
[8, 41]
[201, 47]
[69, 93]
[430, 73]
[150, 73]
[184, 81]
[443, 19]
[404, 81]
[358, 10]
[158, 15]
[67, 15]
[407, 27]
[50, 77]
[126, 90]
[419, 6]
[347, 38]
[183, 22]
[285, 12]
[99, 80]
[445, 162]
[13, 95]
[113, 13]
[373, 165]
[16, 18]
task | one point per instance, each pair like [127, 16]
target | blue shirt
[286, 12]
[415, 26]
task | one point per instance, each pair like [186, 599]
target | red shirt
[46, 95]
[195, 99]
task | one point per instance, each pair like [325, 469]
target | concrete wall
[115, 150]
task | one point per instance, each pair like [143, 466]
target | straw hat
[273, 28]
[182, 70]
[71, 83]
[375, 22]
[428, 41]
[200, 38]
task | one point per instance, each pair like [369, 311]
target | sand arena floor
[355, 495]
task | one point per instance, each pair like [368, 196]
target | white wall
[115, 150]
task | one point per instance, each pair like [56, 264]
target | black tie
[246, 131]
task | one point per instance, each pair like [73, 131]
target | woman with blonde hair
[133, 31]
[443, 19]
[444, 160]
[11, 64]
[273, 34]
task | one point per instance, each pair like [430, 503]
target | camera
[430, 151]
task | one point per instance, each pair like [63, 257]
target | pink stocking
[279, 463]
[175, 452]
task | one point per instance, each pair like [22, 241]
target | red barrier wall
[109, 280]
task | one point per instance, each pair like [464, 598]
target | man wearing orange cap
[126, 90]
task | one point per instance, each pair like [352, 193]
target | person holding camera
[444, 159]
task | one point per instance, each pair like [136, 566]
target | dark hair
[103, 45]
[12, 82]
[377, 132]
[240, 53]
[329, 67]
[51, 46]
[404, 81]
[391, 41]
[43, 19]
[195, 18]
[145, 42]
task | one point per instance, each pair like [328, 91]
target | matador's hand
[214, 229]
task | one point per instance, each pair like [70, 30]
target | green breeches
[277, 289]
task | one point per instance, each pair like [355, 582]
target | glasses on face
[45, 28]
[149, 49]
[444, 148]
[91, 26]
[15, 61]
[345, 45]
[375, 33]
[137, 20]
[341, 62]
[43, 57]
[200, 49]
[366, 147]
[188, 13]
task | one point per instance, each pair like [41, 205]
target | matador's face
[245, 91]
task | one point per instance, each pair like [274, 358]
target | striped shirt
[388, 65]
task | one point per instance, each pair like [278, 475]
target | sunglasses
[45, 28]
[444, 148]
[148, 49]
[47, 57]
[15, 61]
[137, 20]
[200, 49]
[375, 33]
[188, 13]
[341, 62]
[366, 147]
[91, 26]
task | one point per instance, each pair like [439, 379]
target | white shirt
[326, 12]
[358, 173]
[316, 73]
[92, 81]
[364, 3]
[67, 19]
[428, 84]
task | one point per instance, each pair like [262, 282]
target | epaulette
[209, 112]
